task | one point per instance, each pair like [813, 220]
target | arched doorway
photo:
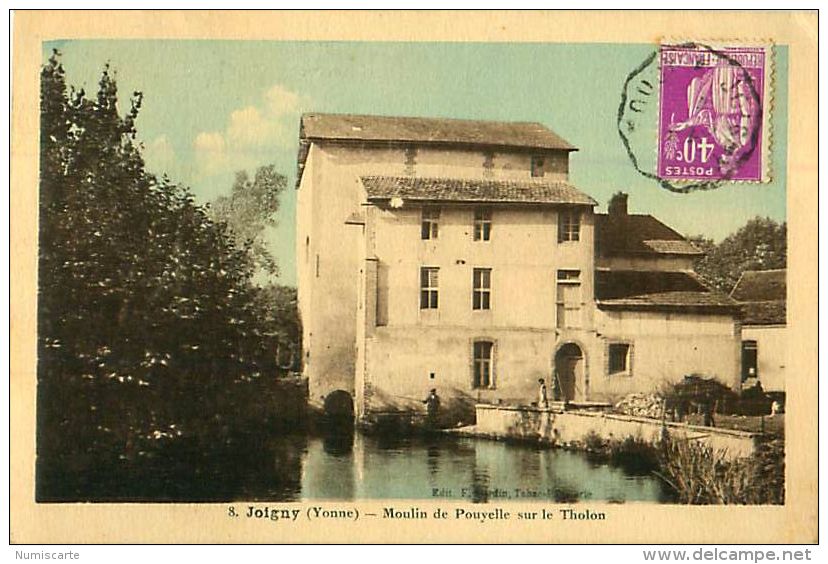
[568, 372]
[339, 404]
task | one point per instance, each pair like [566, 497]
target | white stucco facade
[366, 333]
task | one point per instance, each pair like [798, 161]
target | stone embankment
[571, 429]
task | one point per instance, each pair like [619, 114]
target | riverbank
[571, 428]
[702, 465]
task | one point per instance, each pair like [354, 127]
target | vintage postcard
[422, 277]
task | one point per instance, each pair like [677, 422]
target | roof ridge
[430, 118]
[736, 285]
[431, 130]
[767, 270]
[470, 179]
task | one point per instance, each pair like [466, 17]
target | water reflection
[433, 460]
[339, 464]
[462, 469]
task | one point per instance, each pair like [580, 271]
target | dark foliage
[695, 393]
[634, 455]
[761, 244]
[149, 327]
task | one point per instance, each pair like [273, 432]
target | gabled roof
[473, 190]
[350, 127]
[760, 286]
[639, 234]
[762, 294]
[658, 290]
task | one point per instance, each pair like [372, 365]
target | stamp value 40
[712, 113]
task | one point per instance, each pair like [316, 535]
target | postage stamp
[712, 108]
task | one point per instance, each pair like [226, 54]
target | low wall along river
[567, 428]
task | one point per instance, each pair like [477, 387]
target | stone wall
[572, 428]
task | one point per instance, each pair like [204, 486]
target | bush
[593, 442]
[635, 455]
[700, 475]
[695, 392]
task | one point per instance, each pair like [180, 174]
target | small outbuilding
[761, 295]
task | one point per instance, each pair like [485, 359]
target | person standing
[776, 408]
[708, 409]
[432, 403]
[543, 399]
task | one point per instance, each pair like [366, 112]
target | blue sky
[214, 107]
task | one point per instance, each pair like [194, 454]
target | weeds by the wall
[702, 475]
[635, 455]
[697, 473]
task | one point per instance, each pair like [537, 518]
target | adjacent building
[762, 297]
[457, 255]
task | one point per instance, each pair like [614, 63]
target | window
[619, 357]
[569, 276]
[483, 364]
[429, 279]
[431, 218]
[569, 225]
[537, 167]
[482, 288]
[569, 298]
[482, 224]
[750, 358]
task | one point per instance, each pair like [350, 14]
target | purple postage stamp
[712, 113]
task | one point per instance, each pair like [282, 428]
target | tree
[147, 315]
[248, 212]
[251, 208]
[761, 244]
[280, 313]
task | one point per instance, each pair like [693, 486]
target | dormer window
[537, 166]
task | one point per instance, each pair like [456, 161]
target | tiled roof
[672, 247]
[431, 130]
[633, 289]
[760, 286]
[762, 294]
[638, 234]
[473, 190]
[764, 313]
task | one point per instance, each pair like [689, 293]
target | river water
[353, 467]
[263, 466]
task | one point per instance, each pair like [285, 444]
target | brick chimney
[618, 205]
